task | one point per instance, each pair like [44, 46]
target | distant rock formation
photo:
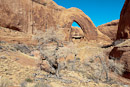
[109, 29]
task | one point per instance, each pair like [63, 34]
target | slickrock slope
[109, 29]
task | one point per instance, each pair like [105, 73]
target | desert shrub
[96, 71]
[28, 80]
[23, 48]
[115, 67]
[42, 84]
[51, 46]
[23, 84]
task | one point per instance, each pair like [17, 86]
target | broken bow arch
[68, 16]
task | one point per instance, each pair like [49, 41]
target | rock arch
[68, 16]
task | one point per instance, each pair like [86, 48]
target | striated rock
[29, 16]
[109, 29]
[124, 23]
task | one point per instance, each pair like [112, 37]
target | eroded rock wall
[124, 23]
[29, 16]
[121, 52]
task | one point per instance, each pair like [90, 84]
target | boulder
[109, 29]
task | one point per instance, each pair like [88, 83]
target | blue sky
[100, 11]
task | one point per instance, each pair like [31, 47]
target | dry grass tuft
[4, 82]
[117, 68]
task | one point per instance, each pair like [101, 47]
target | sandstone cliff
[124, 23]
[29, 16]
[121, 52]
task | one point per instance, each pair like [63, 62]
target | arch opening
[75, 24]
[76, 31]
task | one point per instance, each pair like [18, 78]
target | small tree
[50, 44]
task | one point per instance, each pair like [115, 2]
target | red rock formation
[121, 52]
[31, 15]
[109, 29]
[27, 15]
[124, 23]
[71, 15]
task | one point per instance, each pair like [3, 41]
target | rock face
[27, 15]
[109, 29]
[31, 15]
[124, 24]
[121, 52]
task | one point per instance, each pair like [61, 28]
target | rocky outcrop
[121, 52]
[71, 15]
[31, 15]
[124, 23]
[109, 29]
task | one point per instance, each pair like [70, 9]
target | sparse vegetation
[116, 67]
[4, 82]
[41, 84]
[52, 48]
[28, 80]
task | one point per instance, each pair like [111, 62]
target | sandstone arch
[68, 16]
